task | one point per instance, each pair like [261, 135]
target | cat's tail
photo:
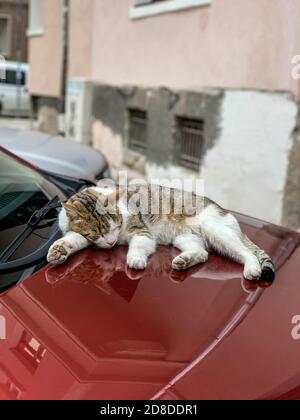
[268, 268]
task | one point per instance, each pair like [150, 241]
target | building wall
[291, 210]
[243, 51]
[231, 44]
[240, 49]
[246, 154]
[9, 8]
[46, 52]
[246, 169]
[81, 31]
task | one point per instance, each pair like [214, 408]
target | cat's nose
[110, 243]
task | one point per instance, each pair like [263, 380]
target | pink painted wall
[81, 31]
[232, 43]
[229, 44]
[46, 52]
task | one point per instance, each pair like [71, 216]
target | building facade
[183, 88]
[13, 27]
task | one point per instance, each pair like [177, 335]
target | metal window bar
[189, 143]
[137, 130]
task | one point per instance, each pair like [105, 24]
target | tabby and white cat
[104, 218]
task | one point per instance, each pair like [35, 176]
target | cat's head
[95, 215]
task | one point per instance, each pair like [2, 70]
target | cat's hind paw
[59, 252]
[189, 259]
[137, 262]
[181, 262]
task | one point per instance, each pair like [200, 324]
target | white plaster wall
[174, 176]
[246, 169]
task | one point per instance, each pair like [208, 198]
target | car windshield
[23, 191]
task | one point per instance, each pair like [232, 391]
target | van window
[14, 76]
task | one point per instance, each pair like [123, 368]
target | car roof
[15, 65]
[53, 153]
[97, 330]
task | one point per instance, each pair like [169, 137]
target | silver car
[55, 154]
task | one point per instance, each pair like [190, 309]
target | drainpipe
[66, 9]
[19, 27]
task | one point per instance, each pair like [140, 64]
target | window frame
[9, 35]
[35, 22]
[140, 10]
[185, 132]
[138, 120]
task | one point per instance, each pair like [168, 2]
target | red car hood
[91, 329]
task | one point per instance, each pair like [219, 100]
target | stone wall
[111, 114]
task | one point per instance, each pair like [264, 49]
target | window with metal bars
[137, 130]
[189, 142]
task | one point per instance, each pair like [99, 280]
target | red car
[92, 329]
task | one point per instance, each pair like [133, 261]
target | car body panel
[93, 329]
[54, 153]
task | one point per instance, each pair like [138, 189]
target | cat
[104, 217]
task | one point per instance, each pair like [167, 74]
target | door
[25, 97]
[8, 91]
[14, 94]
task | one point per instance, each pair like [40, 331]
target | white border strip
[165, 7]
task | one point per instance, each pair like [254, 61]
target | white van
[14, 94]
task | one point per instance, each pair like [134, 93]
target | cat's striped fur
[105, 218]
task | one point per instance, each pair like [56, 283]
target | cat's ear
[70, 210]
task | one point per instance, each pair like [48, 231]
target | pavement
[19, 123]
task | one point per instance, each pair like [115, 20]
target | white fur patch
[140, 248]
[63, 221]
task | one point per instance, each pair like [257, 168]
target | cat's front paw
[253, 273]
[137, 262]
[59, 252]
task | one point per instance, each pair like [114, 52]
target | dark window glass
[22, 192]
[137, 130]
[15, 77]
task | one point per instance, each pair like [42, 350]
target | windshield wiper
[32, 224]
